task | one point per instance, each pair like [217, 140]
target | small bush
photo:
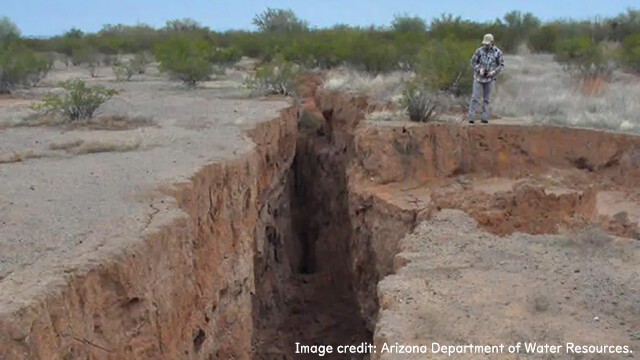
[631, 53]
[276, 77]
[141, 62]
[124, 70]
[444, 65]
[186, 58]
[79, 101]
[419, 102]
[20, 66]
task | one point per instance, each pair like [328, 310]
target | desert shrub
[624, 25]
[444, 66]
[406, 23]
[74, 33]
[449, 27]
[543, 39]
[279, 20]
[371, 51]
[224, 56]
[8, 29]
[88, 57]
[631, 53]
[584, 58]
[186, 58]
[418, 101]
[518, 27]
[78, 102]
[276, 77]
[185, 24]
[20, 66]
[141, 62]
[124, 70]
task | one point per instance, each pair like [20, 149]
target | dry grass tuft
[66, 145]
[106, 122]
[382, 88]
[79, 147]
[16, 156]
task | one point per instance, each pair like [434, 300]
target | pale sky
[51, 17]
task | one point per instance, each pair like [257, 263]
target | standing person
[487, 63]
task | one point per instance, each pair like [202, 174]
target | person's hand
[491, 73]
[483, 72]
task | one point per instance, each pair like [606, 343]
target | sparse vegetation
[125, 69]
[584, 58]
[277, 77]
[78, 102]
[419, 102]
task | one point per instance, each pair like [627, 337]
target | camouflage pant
[480, 89]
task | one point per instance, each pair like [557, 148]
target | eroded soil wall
[184, 291]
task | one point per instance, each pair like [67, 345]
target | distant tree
[518, 28]
[522, 23]
[185, 24]
[74, 33]
[279, 20]
[406, 23]
[625, 24]
[8, 29]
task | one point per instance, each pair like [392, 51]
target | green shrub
[78, 102]
[418, 101]
[276, 77]
[124, 70]
[543, 39]
[20, 66]
[406, 23]
[186, 58]
[370, 51]
[444, 66]
[583, 57]
[8, 29]
[224, 56]
[279, 20]
[631, 53]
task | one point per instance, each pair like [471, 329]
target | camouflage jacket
[487, 59]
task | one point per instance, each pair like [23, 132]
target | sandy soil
[457, 284]
[55, 204]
